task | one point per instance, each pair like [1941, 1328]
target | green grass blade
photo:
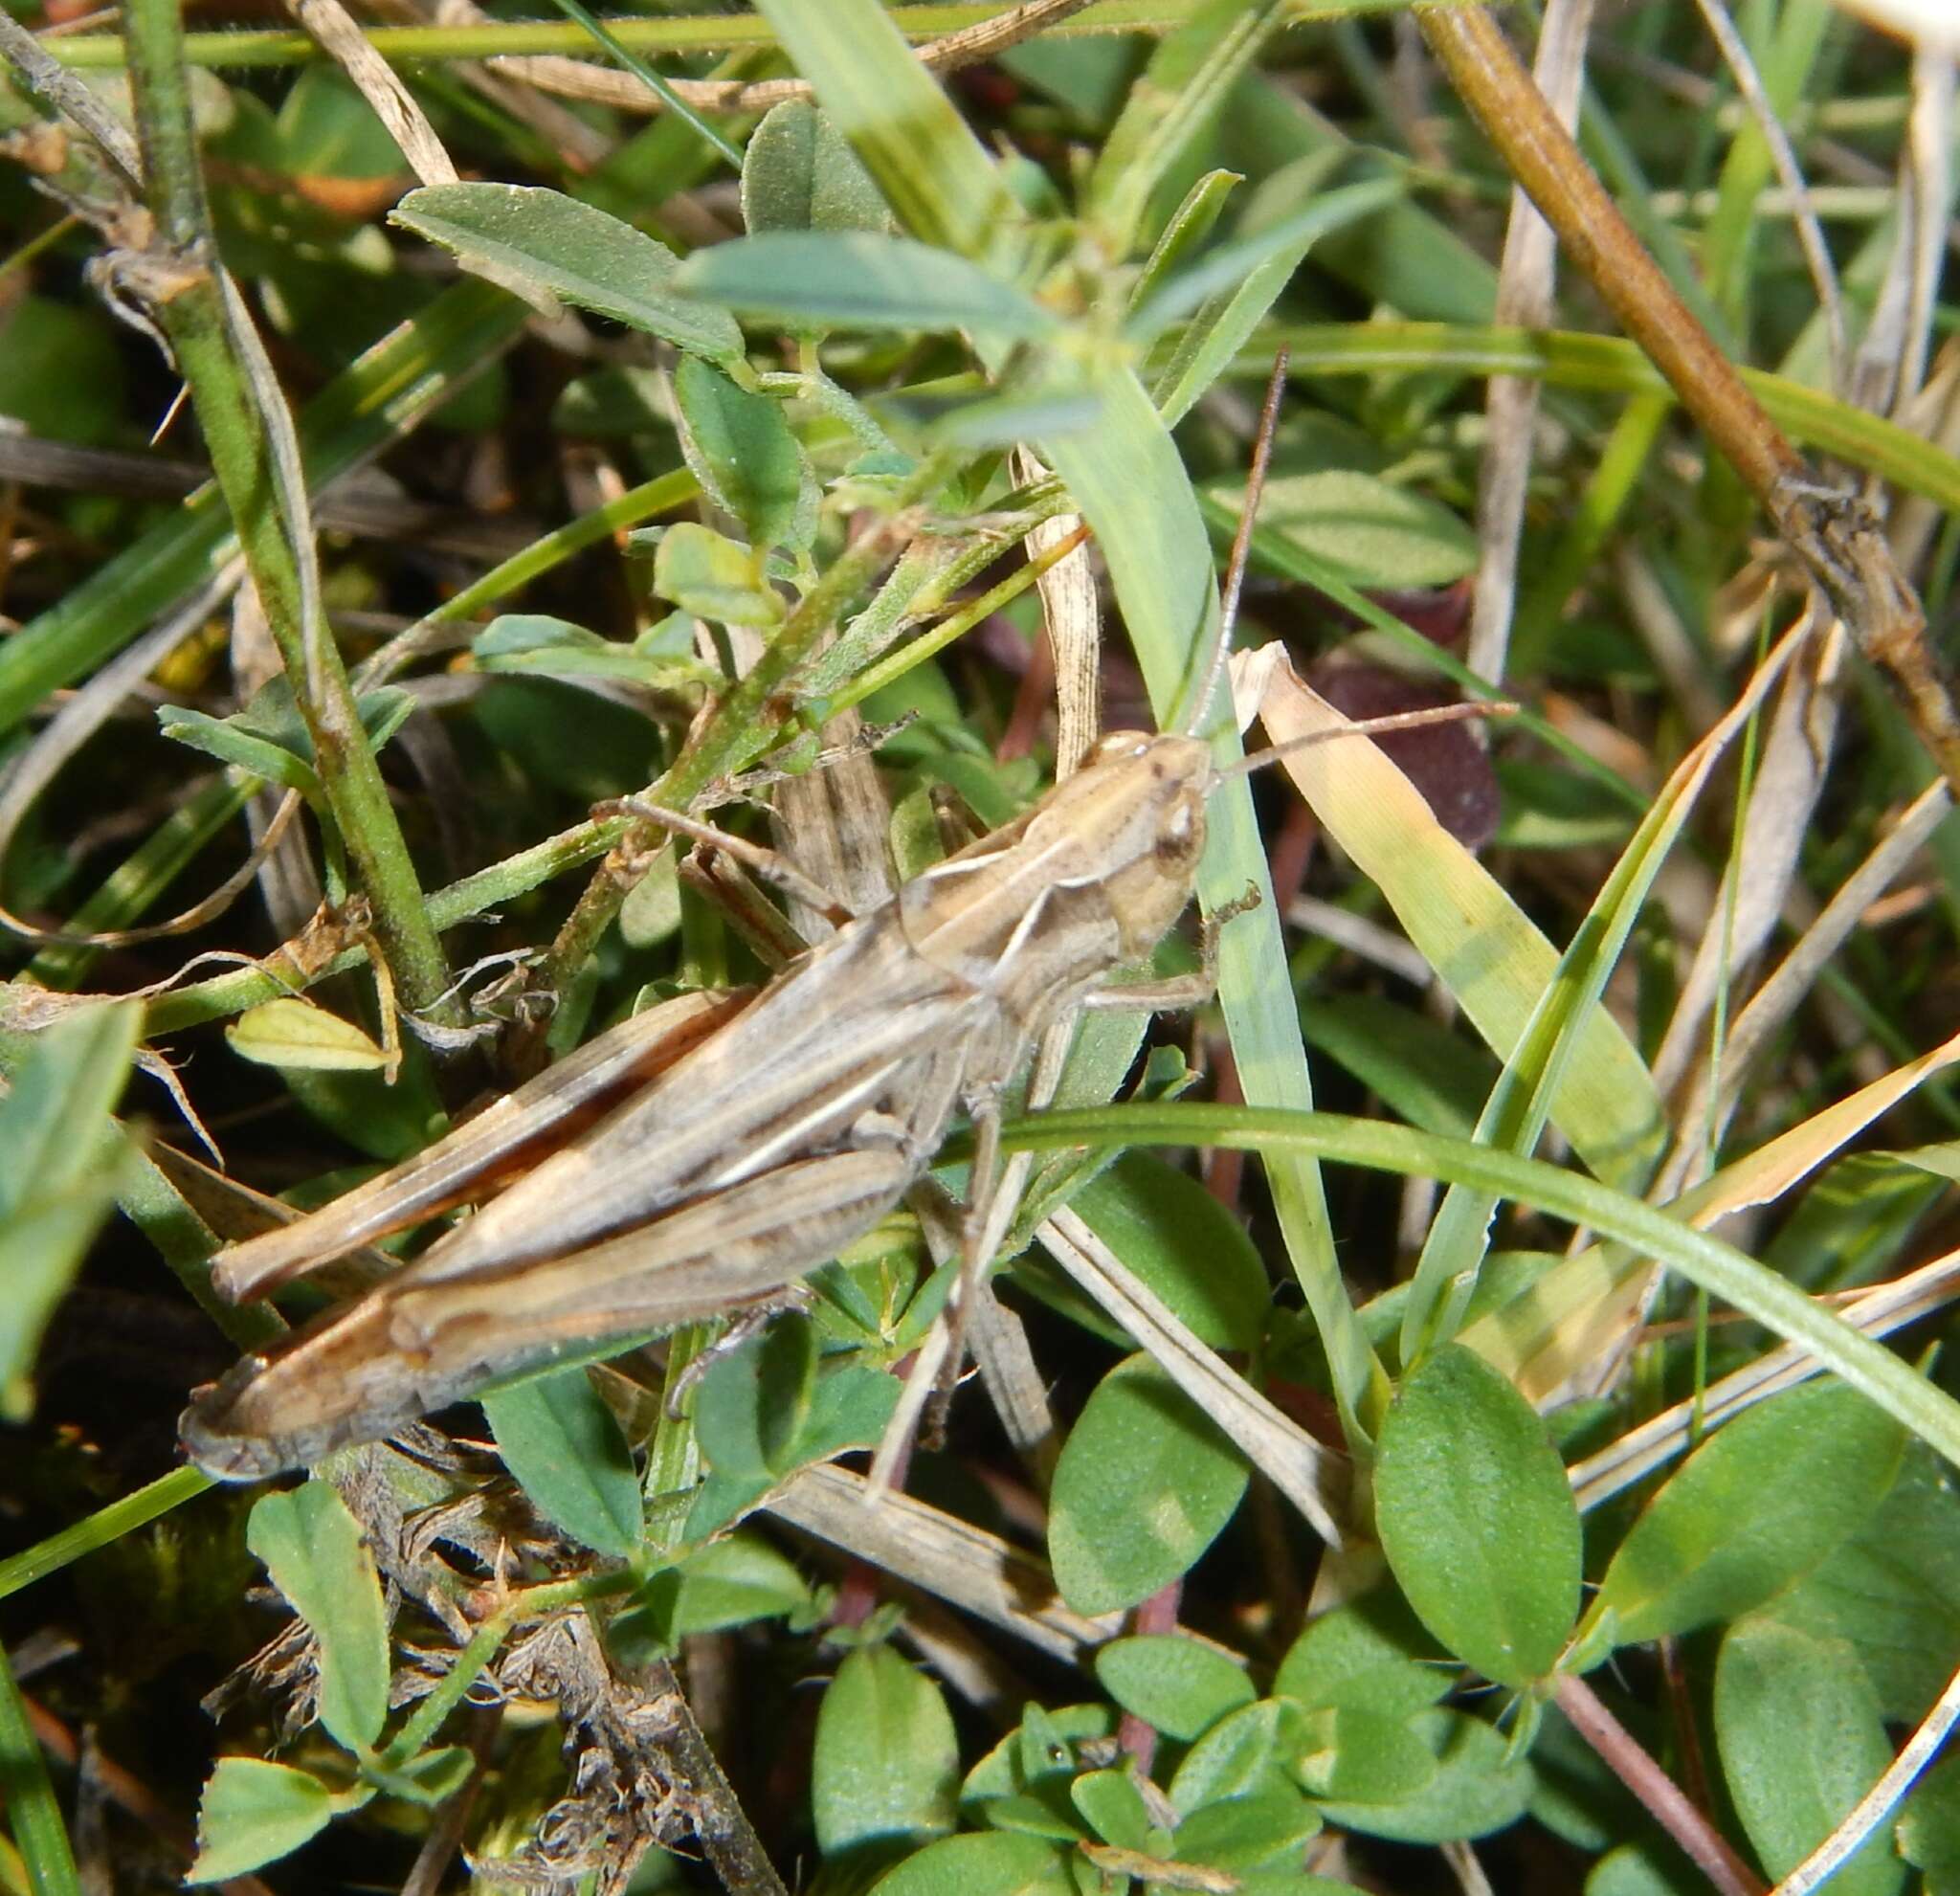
[1568, 359]
[1515, 1114]
[1706, 1261]
[32, 1812]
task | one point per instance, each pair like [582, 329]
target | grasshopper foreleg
[769, 863]
[1178, 992]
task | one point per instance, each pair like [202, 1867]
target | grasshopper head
[1159, 784]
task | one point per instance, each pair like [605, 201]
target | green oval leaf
[1477, 1787]
[862, 280]
[1802, 1740]
[1372, 1653]
[314, 1551]
[1368, 531]
[707, 575]
[741, 450]
[1246, 1755]
[1476, 1518]
[886, 1763]
[991, 1863]
[1263, 1830]
[1145, 1483]
[541, 243]
[1110, 1804]
[253, 1812]
[1362, 1756]
[1756, 1506]
[569, 1455]
[1184, 1244]
[1171, 1682]
[732, 1582]
[798, 173]
[294, 1033]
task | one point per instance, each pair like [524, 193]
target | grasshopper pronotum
[778, 1130]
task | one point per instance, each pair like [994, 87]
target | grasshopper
[758, 1135]
[761, 1150]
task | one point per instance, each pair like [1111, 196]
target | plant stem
[244, 422]
[1842, 545]
[1664, 1800]
[106, 1525]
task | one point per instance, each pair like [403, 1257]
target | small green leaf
[1476, 1518]
[1174, 1684]
[1929, 1826]
[996, 1862]
[1263, 1830]
[538, 644]
[1246, 1755]
[1281, 230]
[295, 1034]
[541, 244]
[1367, 531]
[314, 1551]
[786, 1387]
[1361, 1756]
[1110, 1804]
[569, 1455]
[734, 1582]
[1372, 1653]
[798, 173]
[861, 281]
[887, 1764]
[1184, 88]
[1184, 1244]
[1276, 248]
[1146, 1483]
[270, 739]
[1189, 225]
[741, 450]
[1042, 1749]
[251, 1813]
[1757, 1505]
[63, 1162]
[229, 741]
[1478, 1788]
[1801, 1740]
[713, 578]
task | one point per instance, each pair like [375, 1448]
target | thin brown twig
[1839, 540]
[1663, 1799]
[579, 79]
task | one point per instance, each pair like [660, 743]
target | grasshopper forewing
[758, 1153]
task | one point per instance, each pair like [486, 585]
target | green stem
[704, 34]
[749, 714]
[106, 1525]
[243, 418]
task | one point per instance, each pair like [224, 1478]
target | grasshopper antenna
[1241, 543]
[1395, 720]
